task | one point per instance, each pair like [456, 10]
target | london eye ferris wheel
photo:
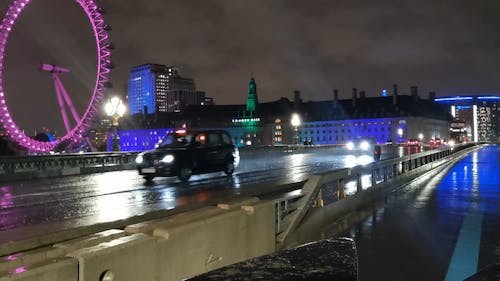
[74, 134]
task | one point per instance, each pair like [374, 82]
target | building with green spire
[249, 122]
[252, 99]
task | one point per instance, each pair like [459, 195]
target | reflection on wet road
[445, 229]
[89, 199]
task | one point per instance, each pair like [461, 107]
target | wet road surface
[29, 208]
[445, 229]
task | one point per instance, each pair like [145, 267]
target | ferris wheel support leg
[61, 105]
[72, 108]
[67, 99]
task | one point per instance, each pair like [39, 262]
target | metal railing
[328, 188]
[14, 167]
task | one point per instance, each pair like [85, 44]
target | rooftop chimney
[296, 99]
[362, 94]
[432, 96]
[395, 94]
[335, 97]
[354, 96]
[414, 92]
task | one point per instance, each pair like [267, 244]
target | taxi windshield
[176, 140]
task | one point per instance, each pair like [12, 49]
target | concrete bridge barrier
[50, 262]
[188, 247]
[176, 247]
[61, 269]
[128, 258]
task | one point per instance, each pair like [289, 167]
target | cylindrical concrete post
[319, 200]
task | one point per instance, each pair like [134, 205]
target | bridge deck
[446, 229]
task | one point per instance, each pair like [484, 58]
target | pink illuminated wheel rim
[102, 78]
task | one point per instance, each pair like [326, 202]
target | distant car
[361, 144]
[435, 142]
[184, 153]
[412, 142]
[377, 152]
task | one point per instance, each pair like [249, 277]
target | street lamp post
[400, 134]
[295, 123]
[115, 109]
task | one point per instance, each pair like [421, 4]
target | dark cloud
[445, 46]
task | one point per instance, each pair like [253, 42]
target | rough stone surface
[333, 260]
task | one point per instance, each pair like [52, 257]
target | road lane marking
[466, 254]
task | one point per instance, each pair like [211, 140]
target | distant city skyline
[313, 47]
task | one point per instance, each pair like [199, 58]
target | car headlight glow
[350, 145]
[364, 145]
[169, 158]
[139, 159]
[236, 156]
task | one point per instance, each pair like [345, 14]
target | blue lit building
[139, 140]
[480, 113]
[396, 118]
[146, 86]
[156, 88]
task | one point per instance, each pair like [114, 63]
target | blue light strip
[488, 98]
[453, 99]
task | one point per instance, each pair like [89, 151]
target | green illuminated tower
[252, 100]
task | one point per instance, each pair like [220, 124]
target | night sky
[450, 47]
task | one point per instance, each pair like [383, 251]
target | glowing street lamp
[295, 123]
[420, 136]
[115, 109]
[400, 134]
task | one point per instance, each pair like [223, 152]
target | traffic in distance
[184, 153]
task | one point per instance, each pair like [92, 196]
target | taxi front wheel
[185, 173]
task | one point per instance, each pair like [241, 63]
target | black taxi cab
[185, 152]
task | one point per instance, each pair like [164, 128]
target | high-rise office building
[157, 88]
[480, 115]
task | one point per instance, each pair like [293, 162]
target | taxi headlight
[167, 158]
[139, 159]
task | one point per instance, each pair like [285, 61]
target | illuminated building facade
[249, 123]
[480, 115]
[146, 88]
[395, 118]
[156, 88]
[382, 130]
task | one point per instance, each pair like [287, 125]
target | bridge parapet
[171, 248]
[42, 166]
[361, 185]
